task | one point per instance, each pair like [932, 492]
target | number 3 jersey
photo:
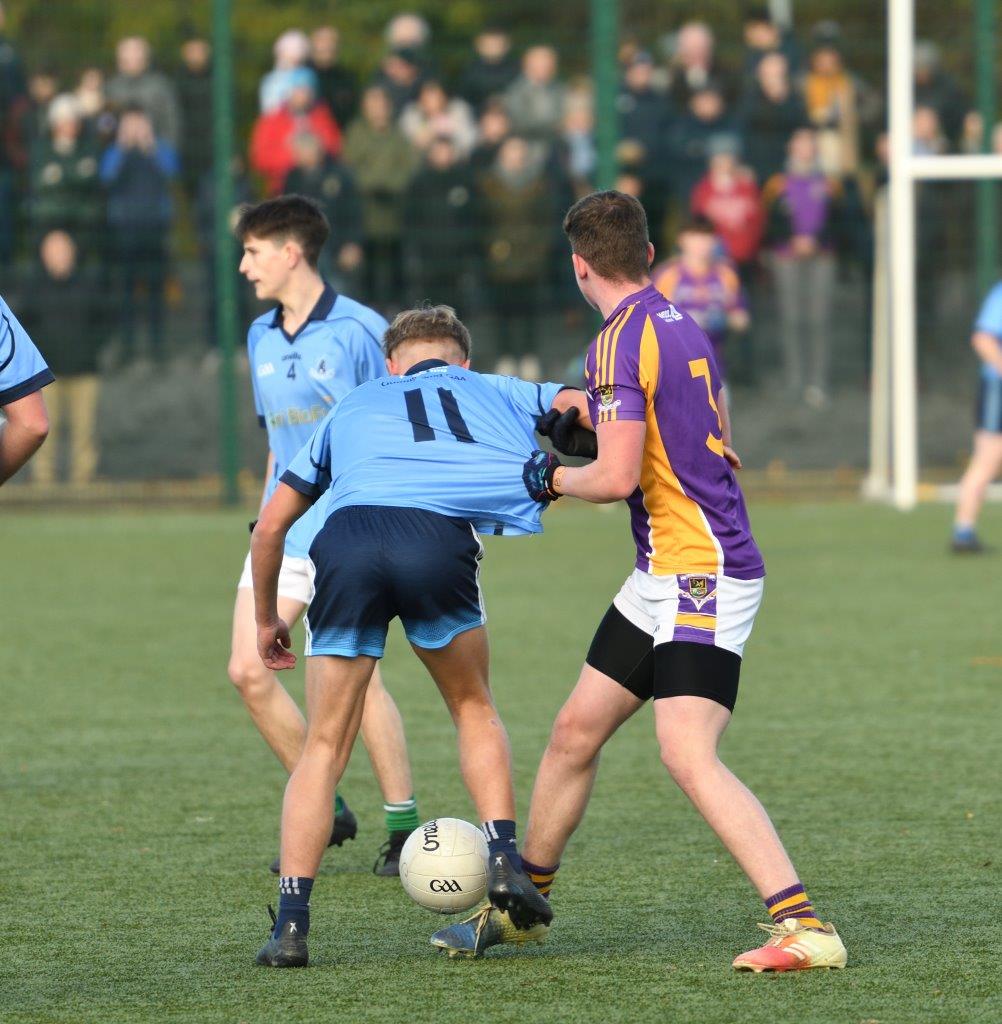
[298, 378]
[439, 438]
[652, 363]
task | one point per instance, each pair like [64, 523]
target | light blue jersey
[440, 438]
[23, 371]
[298, 379]
[990, 321]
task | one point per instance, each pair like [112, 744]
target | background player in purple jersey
[677, 629]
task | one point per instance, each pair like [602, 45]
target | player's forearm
[988, 349]
[267, 549]
[595, 482]
[21, 435]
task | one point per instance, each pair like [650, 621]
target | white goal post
[893, 474]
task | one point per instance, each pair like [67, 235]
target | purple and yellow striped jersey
[651, 362]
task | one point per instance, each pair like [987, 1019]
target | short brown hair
[427, 323]
[285, 217]
[609, 231]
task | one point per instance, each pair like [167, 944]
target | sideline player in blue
[305, 356]
[23, 373]
[417, 464]
[986, 459]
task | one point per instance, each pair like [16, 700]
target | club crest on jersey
[265, 369]
[321, 371]
[697, 592]
[606, 397]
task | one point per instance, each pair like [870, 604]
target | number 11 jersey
[440, 438]
[652, 363]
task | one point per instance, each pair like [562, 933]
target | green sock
[338, 804]
[402, 817]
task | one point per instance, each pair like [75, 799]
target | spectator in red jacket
[272, 153]
[729, 199]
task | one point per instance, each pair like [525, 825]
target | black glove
[250, 526]
[567, 437]
[537, 475]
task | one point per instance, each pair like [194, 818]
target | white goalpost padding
[894, 459]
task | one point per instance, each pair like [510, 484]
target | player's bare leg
[688, 731]
[460, 671]
[596, 708]
[335, 695]
[280, 722]
[984, 467]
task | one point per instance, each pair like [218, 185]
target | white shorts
[295, 579]
[695, 607]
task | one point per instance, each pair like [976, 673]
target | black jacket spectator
[333, 186]
[705, 119]
[768, 114]
[336, 85]
[194, 90]
[492, 70]
[440, 227]
[69, 313]
[64, 185]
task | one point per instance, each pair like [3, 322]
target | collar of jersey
[634, 297]
[425, 364]
[319, 312]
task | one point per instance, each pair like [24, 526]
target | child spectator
[705, 285]
[729, 199]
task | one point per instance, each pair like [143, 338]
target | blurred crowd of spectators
[758, 178]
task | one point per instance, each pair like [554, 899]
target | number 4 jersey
[652, 363]
[440, 438]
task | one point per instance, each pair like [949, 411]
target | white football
[443, 865]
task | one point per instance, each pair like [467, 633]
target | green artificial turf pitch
[140, 809]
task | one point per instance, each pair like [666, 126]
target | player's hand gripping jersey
[23, 371]
[441, 438]
[297, 379]
[651, 362]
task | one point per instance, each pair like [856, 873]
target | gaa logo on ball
[443, 865]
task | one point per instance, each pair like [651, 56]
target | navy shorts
[375, 563]
[989, 415]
